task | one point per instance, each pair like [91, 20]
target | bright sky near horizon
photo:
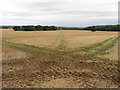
[59, 12]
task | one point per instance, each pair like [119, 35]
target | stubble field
[70, 38]
[78, 59]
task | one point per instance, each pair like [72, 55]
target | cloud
[59, 12]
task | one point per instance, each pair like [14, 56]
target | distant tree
[28, 28]
[45, 28]
[39, 28]
[70, 28]
[17, 28]
[93, 29]
[52, 28]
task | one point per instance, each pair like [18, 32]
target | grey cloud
[64, 12]
[88, 13]
[45, 6]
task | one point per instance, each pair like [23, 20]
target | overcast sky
[59, 12]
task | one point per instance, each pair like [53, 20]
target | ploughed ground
[35, 67]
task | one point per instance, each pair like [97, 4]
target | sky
[71, 13]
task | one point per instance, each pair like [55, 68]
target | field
[69, 38]
[60, 59]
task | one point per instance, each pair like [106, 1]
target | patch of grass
[112, 43]
[86, 50]
[38, 50]
[83, 47]
[77, 53]
[10, 56]
[26, 48]
[62, 47]
[94, 49]
[102, 46]
[103, 53]
[96, 44]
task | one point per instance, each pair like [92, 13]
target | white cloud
[59, 12]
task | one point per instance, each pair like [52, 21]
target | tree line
[52, 28]
[34, 28]
[6, 27]
[103, 28]
[70, 28]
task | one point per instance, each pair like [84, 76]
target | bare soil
[58, 69]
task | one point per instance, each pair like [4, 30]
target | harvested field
[80, 67]
[69, 38]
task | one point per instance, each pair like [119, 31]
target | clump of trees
[34, 28]
[70, 28]
[103, 28]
